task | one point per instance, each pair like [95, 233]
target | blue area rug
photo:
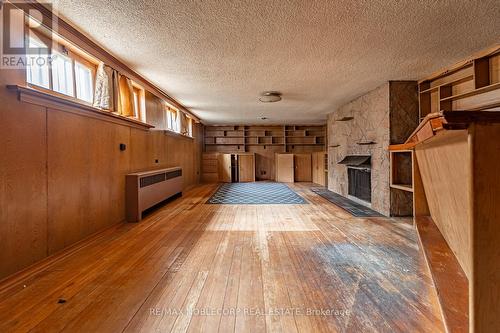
[350, 206]
[255, 194]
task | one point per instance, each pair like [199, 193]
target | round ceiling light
[270, 97]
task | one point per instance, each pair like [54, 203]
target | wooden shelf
[404, 187]
[344, 119]
[469, 85]
[450, 83]
[401, 165]
[291, 138]
[472, 93]
[264, 144]
[225, 144]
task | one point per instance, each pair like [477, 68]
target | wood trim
[446, 120]
[100, 53]
[420, 205]
[484, 215]
[401, 147]
[175, 134]
[458, 119]
[422, 124]
[49, 100]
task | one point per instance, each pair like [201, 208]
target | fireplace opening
[359, 177]
[359, 183]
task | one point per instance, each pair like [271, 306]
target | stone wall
[385, 115]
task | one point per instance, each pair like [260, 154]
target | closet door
[318, 168]
[246, 165]
[225, 168]
[284, 168]
[303, 167]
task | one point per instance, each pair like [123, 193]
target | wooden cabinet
[210, 168]
[284, 168]
[319, 168]
[246, 167]
[236, 167]
[302, 167]
[293, 168]
[225, 168]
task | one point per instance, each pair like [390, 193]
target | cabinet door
[314, 157]
[318, 168]
[225, 168]
[303, 167]
[246, 165]
[284, 168]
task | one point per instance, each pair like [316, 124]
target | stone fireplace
[363, 129]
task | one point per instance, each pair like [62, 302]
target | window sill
[172, 133]
[49, 100]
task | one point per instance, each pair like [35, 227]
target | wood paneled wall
[443, 163]
[62, 175]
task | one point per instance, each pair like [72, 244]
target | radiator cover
[146, 189]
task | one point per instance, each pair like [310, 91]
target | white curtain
[106, 95]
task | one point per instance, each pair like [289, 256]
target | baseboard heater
[146, 189]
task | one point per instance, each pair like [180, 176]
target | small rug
[350, 206]
[255, 194]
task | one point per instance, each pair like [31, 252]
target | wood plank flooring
[195, 267]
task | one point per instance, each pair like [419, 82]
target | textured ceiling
[215, 57]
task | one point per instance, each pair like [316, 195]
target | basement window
[67, 71]
[84, 82]
[189, 126]
[62, 74]
[173, 120]
[138, 94]
[39, 75]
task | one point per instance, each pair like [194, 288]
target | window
[189, 126]
[38, 72]
[173, 120]
[62, 74]
[84, 82]
[137, 101]
[68, 70]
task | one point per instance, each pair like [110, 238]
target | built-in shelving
[281, 138]
[401, 163]
[471, 85]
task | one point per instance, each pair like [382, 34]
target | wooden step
[449, 279]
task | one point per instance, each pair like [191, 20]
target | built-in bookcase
[471, 85]
[279, 138]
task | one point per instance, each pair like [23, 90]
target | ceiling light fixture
[270, 97]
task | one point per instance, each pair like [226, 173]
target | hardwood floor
[195, 267]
